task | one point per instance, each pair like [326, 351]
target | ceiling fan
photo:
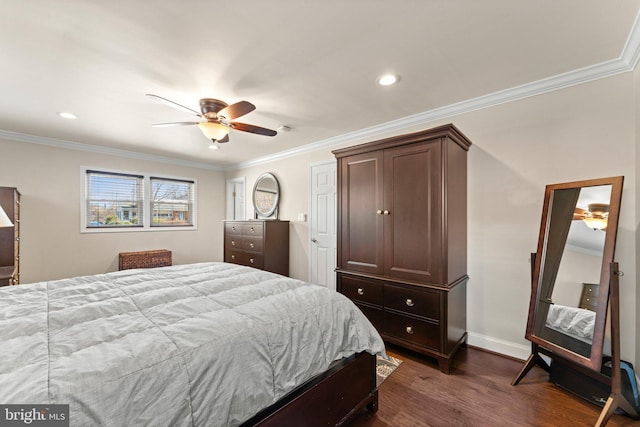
[218, 116]
[595, 216]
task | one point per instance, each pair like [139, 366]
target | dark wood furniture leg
[533, 360]
[616, 399]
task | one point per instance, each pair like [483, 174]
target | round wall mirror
[266, 196]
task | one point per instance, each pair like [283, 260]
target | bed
[575, 322]
[207, 344]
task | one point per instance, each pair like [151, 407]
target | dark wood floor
[478, 392]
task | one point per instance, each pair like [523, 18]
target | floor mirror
[572, 278]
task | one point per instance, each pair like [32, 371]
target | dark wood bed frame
[330, 399]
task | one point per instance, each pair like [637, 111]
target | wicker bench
[144, 259]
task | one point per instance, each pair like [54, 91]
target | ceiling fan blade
[165, 125]
[174, 104]
[253, 129]
[236, 110]
[580, 214]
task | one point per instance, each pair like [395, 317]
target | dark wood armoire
[402, 237]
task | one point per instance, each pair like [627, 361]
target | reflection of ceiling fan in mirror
[595, 216]
[218, 117]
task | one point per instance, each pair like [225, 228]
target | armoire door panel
[413, 200]
[361, 225]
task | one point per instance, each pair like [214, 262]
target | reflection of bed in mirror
[570, 327]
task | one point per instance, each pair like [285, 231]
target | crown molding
[60, 143]
[625, 63]
[561, 81]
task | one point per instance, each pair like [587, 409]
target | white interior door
[235, 199]
[322, 232]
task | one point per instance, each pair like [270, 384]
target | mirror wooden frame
[594, 361]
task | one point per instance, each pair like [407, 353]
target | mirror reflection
[571, 276]
[266, 196]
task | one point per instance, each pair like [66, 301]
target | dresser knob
[251, 260]
[409, 302]
[233, 243]
[233, 257]
[233, 228]
[410, 330]
[252, 229]
[360, 291]
[251, 244]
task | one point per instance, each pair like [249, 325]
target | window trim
[147, 221]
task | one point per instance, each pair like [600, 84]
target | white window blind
[172, 202]
[114, 200]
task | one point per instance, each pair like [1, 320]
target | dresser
[402, 237]
[262, 244]
[589, 296]
[10, 238]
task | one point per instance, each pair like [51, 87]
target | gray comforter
[206, 344]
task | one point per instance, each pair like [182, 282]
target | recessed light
[388, 79]
[67, 115]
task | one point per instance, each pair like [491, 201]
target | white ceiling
[311, 65]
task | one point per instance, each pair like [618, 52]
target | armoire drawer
[375, 315]
[359, 289]
[420, 332]
[419, 302]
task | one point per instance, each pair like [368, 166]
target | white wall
[583, 132]
[52, 246]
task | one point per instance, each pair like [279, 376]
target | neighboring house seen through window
[118, 201]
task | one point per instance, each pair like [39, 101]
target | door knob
[314, 240]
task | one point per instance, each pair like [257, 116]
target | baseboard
[496, 345]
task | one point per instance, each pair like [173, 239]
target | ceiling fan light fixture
[213, 130]
[596, 223]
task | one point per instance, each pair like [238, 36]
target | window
[118, 201]
[171, 202]
[114, 200]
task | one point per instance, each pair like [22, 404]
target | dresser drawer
[233, 241]
[244, 258]
[233, 228]
[420, 332]
[419, 302]
[589, 296]
[252, 229]
[252, 244]
[363, 290]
